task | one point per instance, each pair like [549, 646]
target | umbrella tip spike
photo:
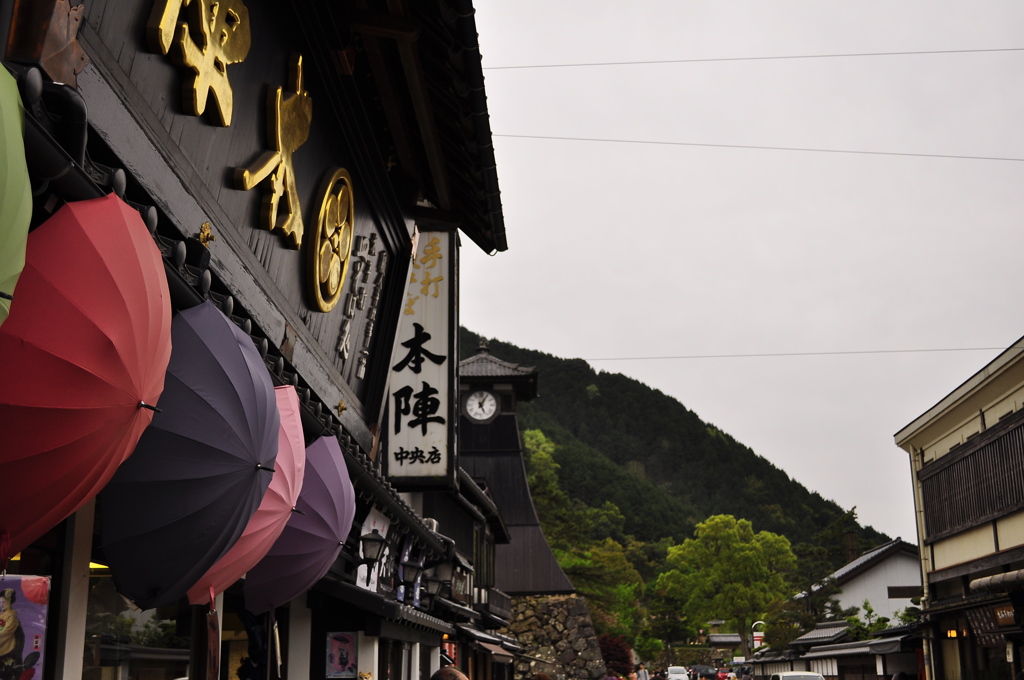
[264, 467]
[152, 408]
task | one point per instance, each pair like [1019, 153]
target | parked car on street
[678, 673]
[796, 675]
[697, 672]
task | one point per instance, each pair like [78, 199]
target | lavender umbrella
[200, 469]
[313, 536]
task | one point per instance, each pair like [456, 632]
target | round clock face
[481, 405]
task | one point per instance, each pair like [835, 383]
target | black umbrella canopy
[200, 469]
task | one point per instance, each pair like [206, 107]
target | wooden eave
[392, 106]
[437, 117]
[375, 30]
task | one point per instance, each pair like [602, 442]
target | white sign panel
[421, 402]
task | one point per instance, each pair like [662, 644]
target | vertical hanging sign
[421, 405]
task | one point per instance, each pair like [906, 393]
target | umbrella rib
[243, 427]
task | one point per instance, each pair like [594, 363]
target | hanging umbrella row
[156, 551]
[274, 511]
[200, 470]
[184, 443]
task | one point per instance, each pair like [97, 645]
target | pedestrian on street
[642, 674]
[448, 673]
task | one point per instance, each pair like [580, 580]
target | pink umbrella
[274, 511]
[311, 541]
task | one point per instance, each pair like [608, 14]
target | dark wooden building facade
[492, 452]
[286, 157]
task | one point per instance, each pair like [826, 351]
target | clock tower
[491, 451]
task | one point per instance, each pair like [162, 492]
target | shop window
[425, 671]
[248, 641]
[393, 660]
[122, 642]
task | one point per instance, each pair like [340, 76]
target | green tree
[728, 571]
[587, 542]
[648, 558]
[602, 574]
[841, 540]
[648, 648]
[785, 620]
[667, 620]
[816, 591]
[871, 625]
[910, 614]
[557, 512]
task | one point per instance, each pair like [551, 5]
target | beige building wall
[960, 417]
[1010, 530]
[991, 394]
[964, 547]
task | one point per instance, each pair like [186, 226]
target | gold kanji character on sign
[289, 117]
[426, 283]
[221, 28]
[431, 254]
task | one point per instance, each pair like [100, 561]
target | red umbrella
[84, 349]
[275, 509]
[36, 588]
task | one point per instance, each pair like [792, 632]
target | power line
[801, 354]
[762, 148]
[764, 58]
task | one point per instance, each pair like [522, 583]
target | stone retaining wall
[557, 636]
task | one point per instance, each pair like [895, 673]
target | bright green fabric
[15, 191]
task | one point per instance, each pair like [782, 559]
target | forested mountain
[621, 441]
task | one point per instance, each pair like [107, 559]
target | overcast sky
[620, 249]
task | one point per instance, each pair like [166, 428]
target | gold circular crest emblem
[330, 248]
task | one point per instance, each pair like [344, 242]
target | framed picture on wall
[341, 655]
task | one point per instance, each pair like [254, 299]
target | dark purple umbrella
[200, 469]
[313, 536]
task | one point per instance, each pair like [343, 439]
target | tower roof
[483, 367]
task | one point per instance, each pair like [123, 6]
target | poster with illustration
[22, 625]
[341, 655]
